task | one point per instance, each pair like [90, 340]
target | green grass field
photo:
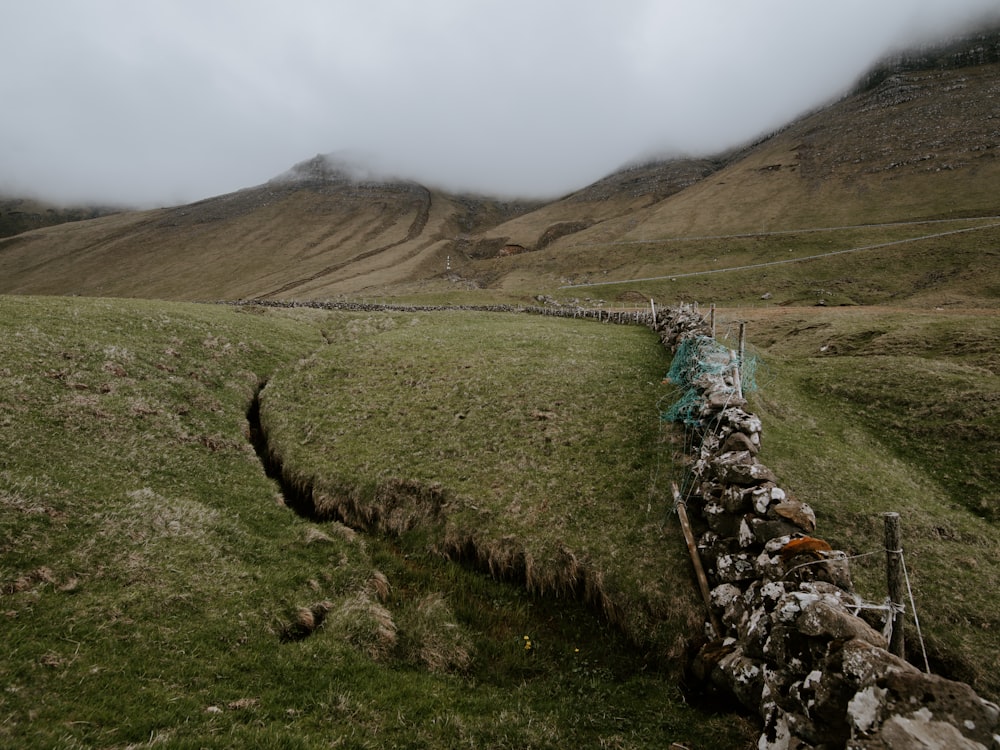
[155, 588]
[916, 264]
[154, 591]
[527, 445]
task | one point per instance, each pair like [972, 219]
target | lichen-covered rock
[919, 733]
[742, 676]
[753, 631]
[765, 529]
[866, 664]
[795, 512]
[719, 520]
[763, 495]
[768, 566]
[741, 421]
[744, 474]
[734, 500]
[827, 617]
[794, 648]
[739, 441]
[915, 705]
[728, 599]
[732, 568]
[721, 397]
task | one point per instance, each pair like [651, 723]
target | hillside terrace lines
[783, 232]
[417, 226]
[786, 261]
[103, 244]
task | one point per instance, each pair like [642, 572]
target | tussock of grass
[438, 641]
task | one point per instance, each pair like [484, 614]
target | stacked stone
[794, 648]
[620, 317]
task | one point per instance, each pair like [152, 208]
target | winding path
[792, 260]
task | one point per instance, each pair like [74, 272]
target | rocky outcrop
[793, 646]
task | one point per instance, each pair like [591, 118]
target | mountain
[23, 214]
[318, 229]
[916, 142]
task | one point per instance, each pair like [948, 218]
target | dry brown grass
[919, 146]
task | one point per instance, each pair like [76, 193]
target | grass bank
[867, 411]
[155, 590]
[529, 447]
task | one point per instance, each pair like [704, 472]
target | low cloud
[168, 101]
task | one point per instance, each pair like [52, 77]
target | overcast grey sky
[158, 102]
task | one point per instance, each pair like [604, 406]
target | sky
[164, 102]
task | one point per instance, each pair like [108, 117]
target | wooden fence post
[711, 318]
[692, 546]
[894, 574]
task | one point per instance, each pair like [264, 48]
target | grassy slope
[541, 437]
[920, 270]
[24, 214]
[240, 245]
[290, 240]
[147, 575]
[869, 411]
[918, 146]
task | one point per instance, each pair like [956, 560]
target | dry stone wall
[793, 645]
[545, 307]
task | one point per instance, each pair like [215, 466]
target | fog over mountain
[169, 101]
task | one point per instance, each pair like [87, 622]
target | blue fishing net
[697, 356]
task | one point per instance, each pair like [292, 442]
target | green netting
[685, 409]
[748, 372]
[697, 356]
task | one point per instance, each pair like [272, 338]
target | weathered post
[894, 573]
[711, 318]
[743, 341]
[699, 571]
[652, 306]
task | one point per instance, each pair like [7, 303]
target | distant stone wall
[793, 647]
[620, 317]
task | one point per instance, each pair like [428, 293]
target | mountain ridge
[916, 143]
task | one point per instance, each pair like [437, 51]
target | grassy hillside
[154, 589]
[297, 238]
[915, 146]
[914, 264]
[23, 214]
[528, 446]
[155, 586]
[920, 146]
[870, 411]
